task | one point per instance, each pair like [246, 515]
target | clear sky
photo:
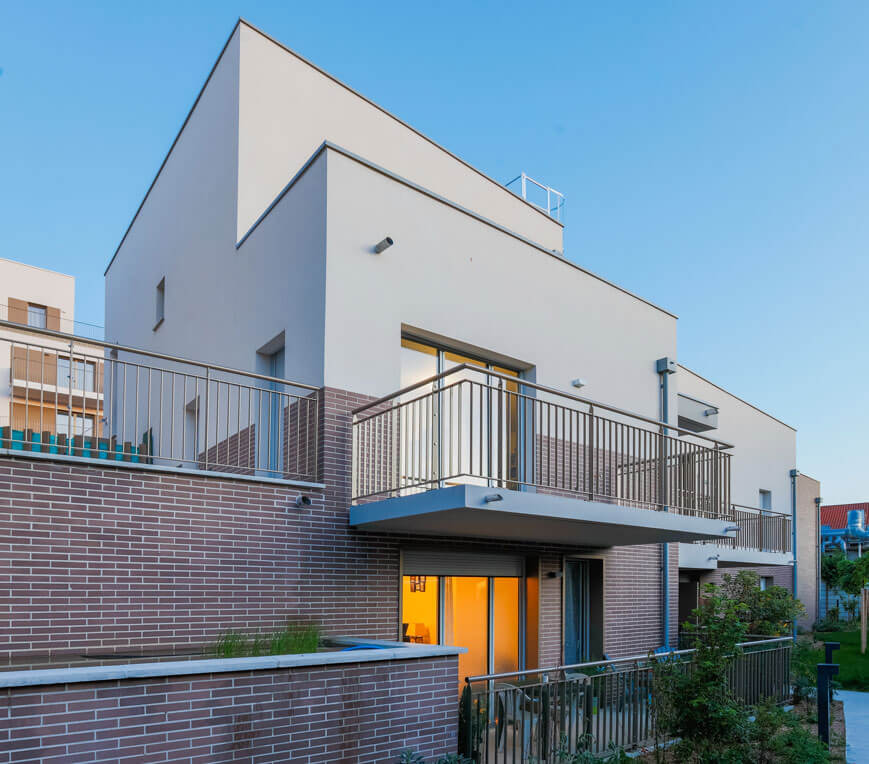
[714, 156]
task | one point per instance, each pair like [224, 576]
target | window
[765, 583]
[82, 375]
[36, 316]
[75, 425]
[765, 498]
[160, 303]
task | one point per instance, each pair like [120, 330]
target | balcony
[472, 452]
[764, 538]
[96, 400]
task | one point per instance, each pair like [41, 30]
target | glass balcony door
[464, 429]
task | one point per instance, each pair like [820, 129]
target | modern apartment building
[513, 460]
[50, 388]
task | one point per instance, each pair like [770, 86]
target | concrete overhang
[711, 556]
[462, 510]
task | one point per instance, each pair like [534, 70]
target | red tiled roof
[836, 515]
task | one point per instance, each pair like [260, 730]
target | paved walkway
[856, 724]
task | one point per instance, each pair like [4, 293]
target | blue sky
[715, 157]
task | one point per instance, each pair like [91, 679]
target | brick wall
[782, 575]
[99, 556]
[355, 712]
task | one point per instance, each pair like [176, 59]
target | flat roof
[36, 268]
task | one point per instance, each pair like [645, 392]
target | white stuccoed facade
[259, 229]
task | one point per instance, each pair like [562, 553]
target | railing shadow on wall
[98, 400]
[471, 425]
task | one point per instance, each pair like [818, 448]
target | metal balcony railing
[82, 397]
[471, 425]
[760, 530]
[540, 714]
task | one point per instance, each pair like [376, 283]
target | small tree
[695, 703]
[854, 576]
[835, 568]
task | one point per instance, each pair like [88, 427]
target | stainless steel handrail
[764, 512]
[613, 661]
[152, 354]
[719, 444]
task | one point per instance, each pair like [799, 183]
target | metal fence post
[826, 671]
[205, 435]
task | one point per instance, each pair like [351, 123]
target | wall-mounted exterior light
[383, 244]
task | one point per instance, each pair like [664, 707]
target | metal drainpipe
[794, 474]
[664, 369]
[818, 551]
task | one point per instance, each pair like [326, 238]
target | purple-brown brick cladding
[356, 712]
[96, 556]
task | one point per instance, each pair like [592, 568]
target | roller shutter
[439, 562]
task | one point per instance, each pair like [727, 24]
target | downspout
[794, 474]
[665, 367]
[819, 550]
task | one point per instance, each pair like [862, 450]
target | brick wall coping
[386, 651]
[159, 468]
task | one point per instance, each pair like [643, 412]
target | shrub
[770, 612]
[694, 703]
[777, 737]
[804, 673]
[409, 756]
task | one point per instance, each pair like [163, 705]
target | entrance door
[583, 610]
[689, 597]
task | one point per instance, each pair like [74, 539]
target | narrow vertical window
[765, 498]
[36, 316]
[160, 303]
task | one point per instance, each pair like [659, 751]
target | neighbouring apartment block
[350, 379]
[50, 387]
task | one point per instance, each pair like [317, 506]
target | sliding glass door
[481, 613]
[463, 429]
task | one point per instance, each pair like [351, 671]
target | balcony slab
[711, 556]
[462, 510]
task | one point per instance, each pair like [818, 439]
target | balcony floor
[461, 510]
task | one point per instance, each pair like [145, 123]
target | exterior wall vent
[696, 415]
